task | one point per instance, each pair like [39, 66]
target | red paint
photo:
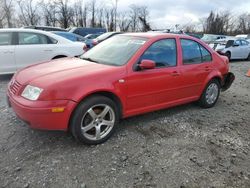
[66, 82]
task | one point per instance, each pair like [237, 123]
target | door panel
[193, 77]
[152, 87]
[197, 65]
[7, 59]
[32, 48]
[30, 54]
[7, 53]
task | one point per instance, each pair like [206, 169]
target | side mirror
[147, 64]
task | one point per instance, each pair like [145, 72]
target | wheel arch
[214, 75]
[59, 56]
[107, 94]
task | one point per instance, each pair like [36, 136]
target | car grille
[15, 87]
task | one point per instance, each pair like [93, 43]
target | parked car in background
[23, 47]
[233, 48]
[123, 76]
[104, 36]
[243, 36]
[210, 38]
[85, 31]
[44, 28]
[93, 36]
[75, 38]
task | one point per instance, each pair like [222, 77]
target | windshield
[115, 51]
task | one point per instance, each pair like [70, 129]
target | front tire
[94, 120]
[210, 95]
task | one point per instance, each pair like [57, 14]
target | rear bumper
[39, 115]
[227, 81]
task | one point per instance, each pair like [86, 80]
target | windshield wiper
[89, 59]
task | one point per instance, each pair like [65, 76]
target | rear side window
[194, 53]
[244, 43]
[206, 56]
[162, 52]
[237, 43]
[5, 39]
[32, 39]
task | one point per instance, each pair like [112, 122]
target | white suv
[22, 47]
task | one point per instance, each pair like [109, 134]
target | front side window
[115, 51]
[194, 53]
[5, 39]
[162, 52]
[32, 39]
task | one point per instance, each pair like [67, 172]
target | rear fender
[211, 76]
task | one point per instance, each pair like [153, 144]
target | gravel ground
[185, 146]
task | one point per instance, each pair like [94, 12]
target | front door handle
[175, 73]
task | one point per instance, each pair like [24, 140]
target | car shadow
[49, 138]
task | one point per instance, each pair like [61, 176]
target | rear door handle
[48, 50]
[175, 73]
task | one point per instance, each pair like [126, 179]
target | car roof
[50, 34]
[67, 33]
[155, 35]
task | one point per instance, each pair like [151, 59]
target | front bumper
[227, 81]
[39, 115]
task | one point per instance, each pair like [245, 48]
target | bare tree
[189, 28]
[123, 22]
[244, 23]
[100, 15]
[65, 13]
[1, 14]
[134, 12]
[92, 10]
[29, 12]
[49, 13]
[80, 14]
[110, 18]
[8, 11]
[143, 17]
[217, 23]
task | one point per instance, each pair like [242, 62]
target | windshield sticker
[140, 42]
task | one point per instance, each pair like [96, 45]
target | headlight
[31, 92]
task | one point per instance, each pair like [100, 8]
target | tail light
[95, 42]
[85, 48]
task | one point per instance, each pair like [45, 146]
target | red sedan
[126, 75]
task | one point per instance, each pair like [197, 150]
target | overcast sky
[167, 13]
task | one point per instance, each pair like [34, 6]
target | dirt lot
[183, 147]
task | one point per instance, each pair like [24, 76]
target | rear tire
[94, 120]
[228, 54]
[248, 57]
[210, 94]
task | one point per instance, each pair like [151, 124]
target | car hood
[60, 69]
